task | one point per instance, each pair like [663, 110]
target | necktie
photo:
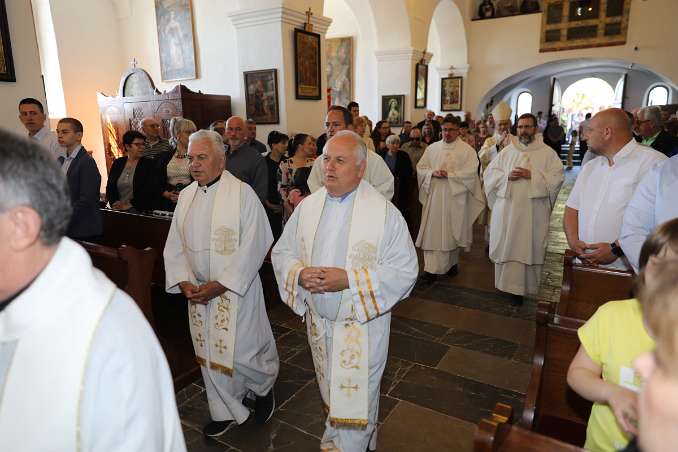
[61, 160]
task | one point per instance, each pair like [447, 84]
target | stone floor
[457, 347]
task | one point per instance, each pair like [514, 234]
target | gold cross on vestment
[221, 347]
[200, 340]
[348, 387]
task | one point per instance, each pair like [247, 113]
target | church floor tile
[488, 345]
[274, 436]
[416, 350]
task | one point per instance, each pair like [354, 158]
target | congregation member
[84, 180]
[360, 127]
[252, 138]
[652, 133]
[466, 135]
[452, 199]
[216, 244]
[602, 370]
[414, 147]
[427, 135]
[302, 155]
[354, 108]
[430, 120]
[554, 135]
[344, 260]
[377, 173]
[405, 132]
[156, 145]
[522, 185]
[132, 184]
[583, 137]
[382, 130]
[595, 208]
[32, 116]
[654, 201]
[541, 122]
[400, 165]
[277, 142]
[244, 161]
[219, 126]
[173, 171]
[482, 134]
[77, 357]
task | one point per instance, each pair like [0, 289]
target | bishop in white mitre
[217, 242]
[343, 261]
[452, 199]
[521, 184]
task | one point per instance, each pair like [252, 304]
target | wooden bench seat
[585, 288]
[551, 407]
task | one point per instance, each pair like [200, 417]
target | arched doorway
[586, 95]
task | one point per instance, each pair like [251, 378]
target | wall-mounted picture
[421, 85]
[174, 20]
[6, 61]
[261, 96]
[450, 93]
[393, 109]
[306, 64]
[339, 57]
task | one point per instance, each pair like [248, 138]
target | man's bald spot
[613, 118]
[233, 120]
[346, 140]
[146, 121]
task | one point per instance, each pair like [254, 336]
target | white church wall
[26, 66]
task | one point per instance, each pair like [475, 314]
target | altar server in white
[452, 199]
[522, 185]
[376, 171]
[344, 260]
[80, 367]
[217, 242]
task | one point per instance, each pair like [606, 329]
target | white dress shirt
[602, 192]
[68, 160]
[654, 202]
[48, 139]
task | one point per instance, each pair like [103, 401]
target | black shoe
[428, 277]
[516, 300]
[454, 271]
[263, 407]
[216, 428]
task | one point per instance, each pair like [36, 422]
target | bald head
[343, 161]
[609, 131]
[235, 132]
[151, 128]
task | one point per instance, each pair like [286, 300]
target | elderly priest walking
[216, 245]
[80, 368]
[521, 184]
[344, 260]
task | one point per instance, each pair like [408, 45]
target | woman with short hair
[174, 173]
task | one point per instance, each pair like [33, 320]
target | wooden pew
[551, 407]
[130, 269]
[496, 434]
[585, 288]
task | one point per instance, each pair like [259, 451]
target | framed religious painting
[339, 63]
[393, 109]
[420, 85]
[307, 65]
[6, 60]
[450, 93]
[261, 96]
[174, 22]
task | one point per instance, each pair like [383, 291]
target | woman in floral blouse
[302, 154]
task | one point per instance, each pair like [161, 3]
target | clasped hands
[323, 279]
[203, 293]
[520, 173]
[439, 173]
[594, 253]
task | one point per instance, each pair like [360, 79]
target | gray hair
[360, 146]
[652, 113]
[393, 139]
[179, 124]
[213, 137]
[30, 176]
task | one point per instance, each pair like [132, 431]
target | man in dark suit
[652, 132]
[83, 179]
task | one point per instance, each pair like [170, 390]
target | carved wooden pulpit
[138, 98]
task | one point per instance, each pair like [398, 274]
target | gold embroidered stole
[213, 326]
[345, 389]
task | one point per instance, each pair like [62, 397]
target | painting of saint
[393, 109]
[307, 64]
[261, 96]
[174, 21]
[450, 91]
[339, 56]
[421, 87]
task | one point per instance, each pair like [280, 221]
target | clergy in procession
[343, 261]
[216, 244]
[521, 184]
[376, 174]
[80, 367]
[452, 199]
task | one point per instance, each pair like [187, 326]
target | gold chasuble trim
[220, 368]
[339, 422]
[360, 293]
[200, 360]
[369, 287]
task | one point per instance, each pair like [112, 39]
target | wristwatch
[616, 249]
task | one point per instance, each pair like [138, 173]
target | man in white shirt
[80, 367]
[654, 202]
[595, 208]
[32, 116]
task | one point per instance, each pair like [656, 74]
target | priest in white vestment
[80, 367]
[217, 242]
[376, 173]
[522, 185]
[452, 199]
[343, 261]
